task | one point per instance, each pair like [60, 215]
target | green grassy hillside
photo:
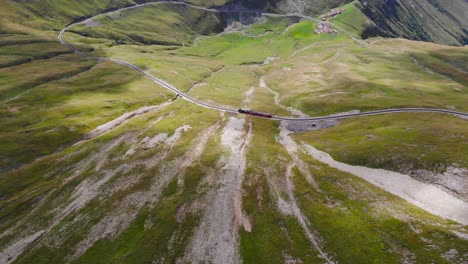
[166, 25]
[98, 164]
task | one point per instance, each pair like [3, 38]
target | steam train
[254, 113]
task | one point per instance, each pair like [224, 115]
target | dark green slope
[310, 7]
[440, 21]
[54, 14]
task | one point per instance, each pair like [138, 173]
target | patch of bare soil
[301, 126]
[169, 143]
[216, 238]
[288, 259]
[14, 109]
[152, 142]
[92, 23]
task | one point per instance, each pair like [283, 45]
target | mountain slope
[440, 21]
[437, 21]
[444, 22]
[311, 7]
[98, 164]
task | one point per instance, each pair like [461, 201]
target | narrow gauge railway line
[241, 111]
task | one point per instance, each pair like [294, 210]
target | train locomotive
[254, 113]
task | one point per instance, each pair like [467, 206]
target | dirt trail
[425, 69]
[127, 209]
[335, 93]
[216, 238]
[277, 100]
[303, 221]
[288, 28]
[203, 81]
[301, 50]
[291, 207]
[293, 150]
[426, 196]
[249, 97]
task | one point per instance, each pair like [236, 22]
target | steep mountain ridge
[310, 7]
[444, 22]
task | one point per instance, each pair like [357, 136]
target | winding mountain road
[229, 110]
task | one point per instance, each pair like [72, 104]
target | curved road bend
[229, 110]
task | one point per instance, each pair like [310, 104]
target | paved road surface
[229, 110]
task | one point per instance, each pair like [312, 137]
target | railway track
[190, 99]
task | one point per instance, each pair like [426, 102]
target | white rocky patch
[283, 206]
[423, 195]
[85, 192]
[451, 255]
[148, 142]
[269, 60]
[454, 179]
[461, 234]
[14, 250]
[216, 238]
[161, 138]
[178, 132]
